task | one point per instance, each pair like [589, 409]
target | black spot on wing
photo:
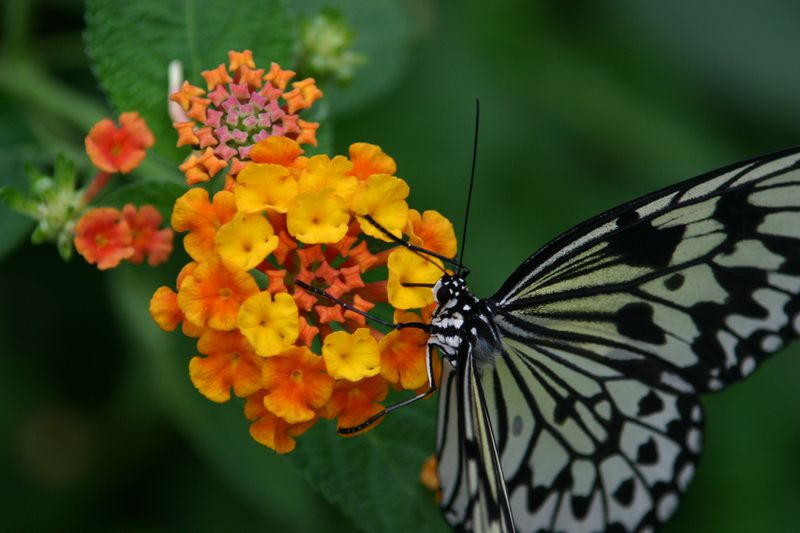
[580, 506]
[644, 245]
[674, 282]
[635, 320]
[626, 219]
[737, 214]
[648, 453]
[624, 493]
[650, 403]
[536, 497]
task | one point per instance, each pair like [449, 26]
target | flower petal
[351, 356]
[270, 325]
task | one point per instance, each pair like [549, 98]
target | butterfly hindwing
[588, 449]
[474, 494]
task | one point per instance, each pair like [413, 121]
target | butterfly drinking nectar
[570, 399]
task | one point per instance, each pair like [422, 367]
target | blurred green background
[584, 106]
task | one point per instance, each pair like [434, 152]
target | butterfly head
[449, 289]
[461, 320]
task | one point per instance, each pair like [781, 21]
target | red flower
[102, 237]
[146, 238]
[113, 149]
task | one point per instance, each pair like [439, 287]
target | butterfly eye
[443, 294]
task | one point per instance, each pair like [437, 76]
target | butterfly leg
[374, 418]
[349, 307]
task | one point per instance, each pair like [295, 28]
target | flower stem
[99, 181]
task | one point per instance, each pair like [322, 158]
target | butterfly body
[463, 325]
[570, 399]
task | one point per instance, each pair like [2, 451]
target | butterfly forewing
[608, 335]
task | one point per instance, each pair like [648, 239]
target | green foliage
[375, 477]
[381, 36]
[131, 44]
[161, 194]
[51, 201]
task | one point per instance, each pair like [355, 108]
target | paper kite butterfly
[570, 400]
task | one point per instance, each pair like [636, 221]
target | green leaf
[374, 477]
[382, 35]
[161, 194]
[131, 44]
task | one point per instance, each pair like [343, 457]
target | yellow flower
[384, 198]
[246, 240]
[269, 325]
[318, 217]
[322, 172]
[264, 186]
[406, 266]
[351, 357]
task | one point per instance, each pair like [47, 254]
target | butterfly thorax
[462, 323]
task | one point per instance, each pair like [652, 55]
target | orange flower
[165, 310]
[296, 383]
[404, 354]
[369, 159]
[194, 213]
[237, 60]
[113, 149]
[354, 403]
[186, 94]
[146, 238]
[212, 294]
[429, 476]
[276, 150]
[278, 77]
[304, 94]
[431, 231]
[202, 168]
[268, 429]
[102, 237]
[230, 362]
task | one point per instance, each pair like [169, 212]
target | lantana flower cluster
[295, 356]
[240, 106]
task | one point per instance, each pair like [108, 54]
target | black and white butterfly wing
[611, 331]
[474, 491]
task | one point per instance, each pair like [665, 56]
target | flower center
[296, 375]
[225, 292]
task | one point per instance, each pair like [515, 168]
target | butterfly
[570, 399]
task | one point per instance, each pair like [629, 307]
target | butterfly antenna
[471, 182]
